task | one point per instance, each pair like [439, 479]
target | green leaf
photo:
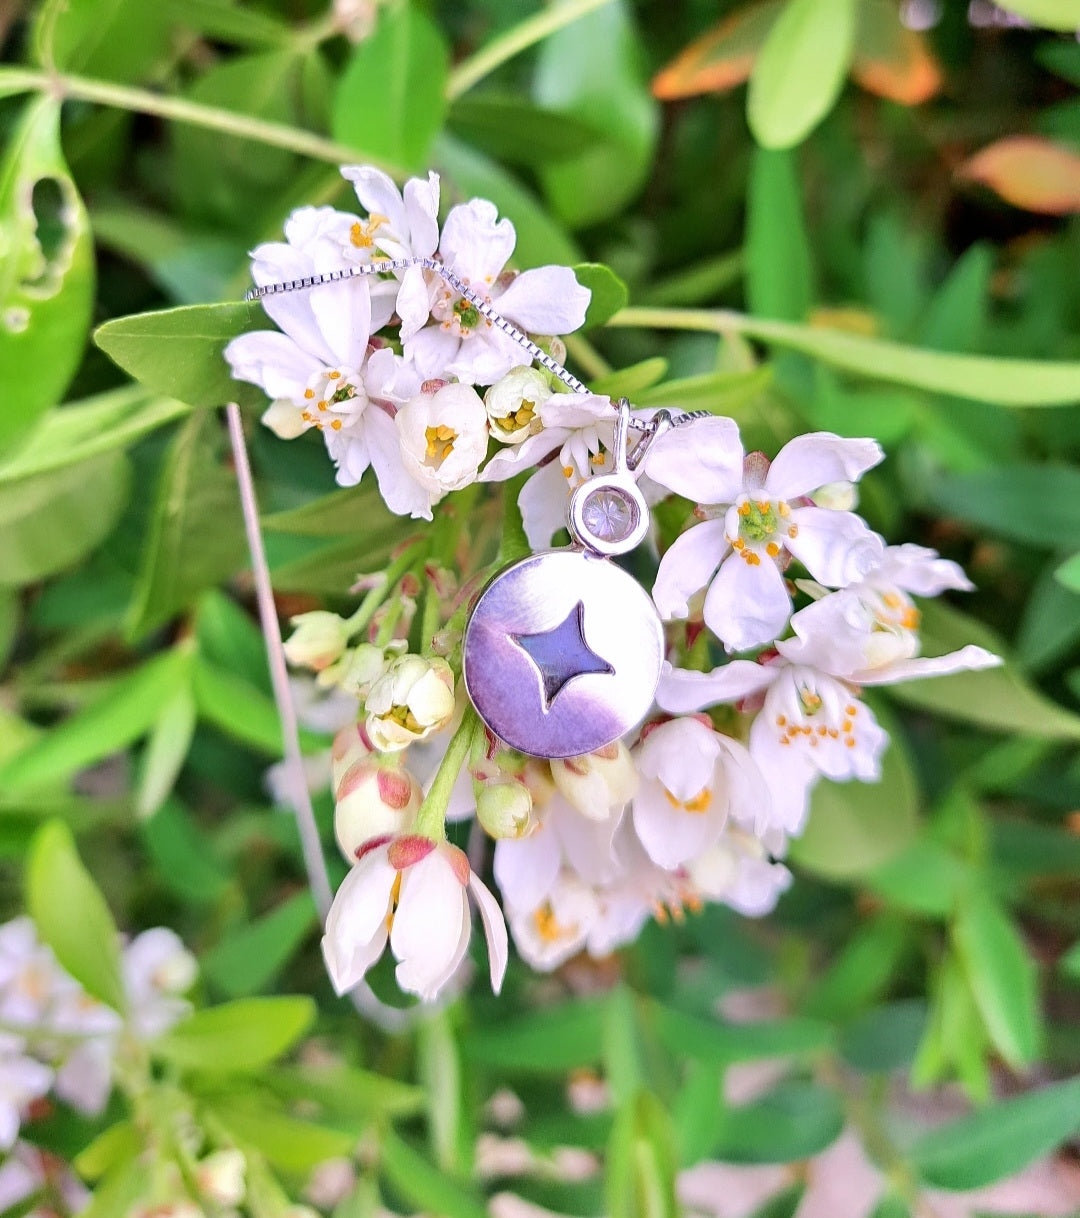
[722, 1044]
[178, 352]
[343, 1092]
[720, 392]
[924, 879]
[1068, 573]
[954, 1042]
[641, 1161]
[628, 382]
[196, 536]
[515, 131]
[71, 915]
[1052, 14]
[886, 1038]
[51, 520]
[184, 858]
[1069, 964]
[342, 513]
[794, 1121]
[1001, 976]
[854, 827]
[165, 752]
[46, 275]
[422, 1185]
[996, 698]
[238, 1036]
[126, 711]
[71, 435]
[862, 971]
[609, 293]
[592, 70]
[390, 100]
[120, 1143]
[241, 710]
[1000, 1140]
[800, 70]
[956, 317]
[779, 269]
[115, 39]
[982, 378]
[332, 570]
[287, 1143]
[550, 1041]
[1036, 504]
[9, 625]
[251, 957]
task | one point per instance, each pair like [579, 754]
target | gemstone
[609, 515]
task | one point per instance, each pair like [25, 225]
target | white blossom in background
[758, 516]
[443, 438]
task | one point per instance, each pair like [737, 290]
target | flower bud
[357, 670]
[220, 1177]
[319, 638]
[513, 404]
[837, 496]
[503, 806]
[598, 783]
[351, 744]
[376, 796]
[412, 699]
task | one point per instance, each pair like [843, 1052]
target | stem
[712, 321]
[379, 593]
[180, 110]
[584, 353]
[431, 819]
[506, 46]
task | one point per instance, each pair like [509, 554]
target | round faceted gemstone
[610, 514]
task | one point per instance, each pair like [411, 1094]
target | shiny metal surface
[562, 653]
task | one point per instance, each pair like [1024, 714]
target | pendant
[562, 650]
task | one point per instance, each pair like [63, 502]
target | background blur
[920, 185]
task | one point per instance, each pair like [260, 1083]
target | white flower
[318, 640]
[513, 404]
[413, 892]
[741, 553]
[412, 699]
[461, 342]
[158, 969]
[443, 438]
[559, 926]
[22, 1080]
[692, 780]
[376, 797]
[220, 1177]
[580, 427]
[597, 784]
[737, 869]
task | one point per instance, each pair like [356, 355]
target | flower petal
[687, 567]
[545, 300]
[491, 915]
[543, 502]
[526, 868]
[681, 691]
[749, 800]
[512, 460]
[401, 494]
[356, 924]
[342, 312]
[920, 571]
[747, 605]
[966, 658]
[273, 361]
[672, 836]
[790, 775]
[702, 461]
[837, 548]
[430, 351]
[820, 457]
[422, 214]
[475, 243]
[427, 929]
[377, 194]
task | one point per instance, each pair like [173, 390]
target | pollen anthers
[813, 711]
[548, 926]
[326, 391]
[763, 525]
[458, 315]
[440, 443]
[362, 233]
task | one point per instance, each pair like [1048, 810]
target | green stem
[375, 597]
[592, 363]
[182, 110]
[712, 321]
[431, 819]
[506, 46]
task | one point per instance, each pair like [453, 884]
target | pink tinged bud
[458, 860]
[407, 850]
[433, 385]
[376, 797]
[597, 784]
[351, 744]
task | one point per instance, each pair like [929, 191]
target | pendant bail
[608, 514]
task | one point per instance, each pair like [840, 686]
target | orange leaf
[891, 60]
[720, 59]
[1029, 172]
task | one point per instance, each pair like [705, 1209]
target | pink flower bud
[376, 796]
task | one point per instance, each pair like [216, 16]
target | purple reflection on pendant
[561, 654]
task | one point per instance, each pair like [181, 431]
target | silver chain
[483, 307]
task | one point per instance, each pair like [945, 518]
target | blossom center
[325, 392]
[440, 444]
[458, 315]
[814, 717]
[548, 926]
[362, 233]
[698, 804]
[519, 418]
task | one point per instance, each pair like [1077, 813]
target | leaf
[126, 711]
[641, 1161]
[422, 1185]
[178, 352]
[800, 71]
[9, 625]
[925, 879]
[1068, 574]
[47, 272]
[609, 293]
[241, 710]
[1003, 382]
[287, 1143]
[862, 971]
[511, 128]
[70, 435]
[165, 753]
[51, 520]
[120, 1143]
[719, 392]
[332, 570]
[592, 70]
[1036, 504]
[1000, 699]
[1029, 172]
[1001, 976]
[196, 536]
[71, 915]
[854, 827]
[954, 1041]
[185, 860]
[779, 270]
[630, 381]
[721, 58]
[342, 513]
[722, 1044]
[1052, 14]
[551, 1041]
[390, 99]
[249, 958]
[116, 39]
[956, 317]
[794, 1121]
[345, 1092]
[999, 1140]
[891, 60]
[885, 1038]
[237, 1036]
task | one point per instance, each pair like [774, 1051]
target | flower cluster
[57, 1039]
[777, 576]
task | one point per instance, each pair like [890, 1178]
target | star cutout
[561, 654]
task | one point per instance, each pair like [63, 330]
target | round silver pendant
[562, 653]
